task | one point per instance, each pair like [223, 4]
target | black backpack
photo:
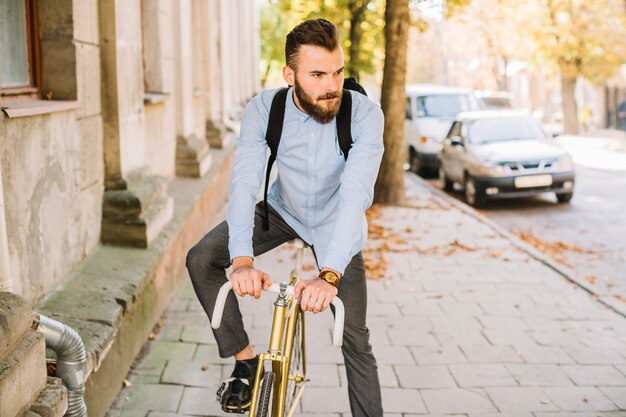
[275, 130]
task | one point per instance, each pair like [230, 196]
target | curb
[606, 299]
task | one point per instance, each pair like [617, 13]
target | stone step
[22, 374]
[16, 318]
[51, 402]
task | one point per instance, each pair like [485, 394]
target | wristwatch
[330, 277]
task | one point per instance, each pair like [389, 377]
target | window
[19, 48]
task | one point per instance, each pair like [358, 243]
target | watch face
[330, 277]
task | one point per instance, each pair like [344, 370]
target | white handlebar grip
[218, 310]
[339, 316]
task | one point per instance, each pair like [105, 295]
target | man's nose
[331, 83]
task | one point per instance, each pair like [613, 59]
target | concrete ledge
[115, 297]
[16, 318]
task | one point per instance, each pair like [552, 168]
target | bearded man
[319, 196]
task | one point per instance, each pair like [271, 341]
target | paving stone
[594, 356]
[465, 401]
[488, 375]
[387, 376]
[455, 308]
[427, 355]
[617, 394]
[429, 376]
[322, 375]
[539, 375]
[113, 413]
[508, 337]
[521, 399]
[474, 337]
[149, 397]
[590, 375]
[393, 355]
[519, 414]
[566, 414]
[164, 350]
[544, 354]
[398, 400]
[197, 334]
[210, 354]
[201, 401]
[580, 399]
[191, 373]
[404, 337]
[503, 323]
[316, 400]
[491, 354]
[159, 414]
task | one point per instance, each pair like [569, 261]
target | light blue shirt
[319, 194]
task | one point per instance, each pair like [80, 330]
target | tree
[360, 23]
[389, 188]
[580, 38]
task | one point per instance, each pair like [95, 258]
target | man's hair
[316, 32]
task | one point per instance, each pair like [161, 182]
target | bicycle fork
[277, 356]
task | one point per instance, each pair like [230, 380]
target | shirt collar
[291, 106]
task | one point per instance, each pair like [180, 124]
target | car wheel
[564, 197]
[446, 184]
[473, 196]
[414, 161]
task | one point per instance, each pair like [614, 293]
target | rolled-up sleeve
[356, 191]
[246, 179]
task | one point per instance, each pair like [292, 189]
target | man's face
[317, 81]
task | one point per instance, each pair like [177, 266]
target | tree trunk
[570, 112]
[389, 188]
[357, 13]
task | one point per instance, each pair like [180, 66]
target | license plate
[533, 181]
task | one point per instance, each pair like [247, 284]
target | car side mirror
[456, 141]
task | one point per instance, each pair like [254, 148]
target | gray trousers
[207, 262]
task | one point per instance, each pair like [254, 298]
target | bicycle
[284, 385]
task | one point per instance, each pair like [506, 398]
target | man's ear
[288, 75]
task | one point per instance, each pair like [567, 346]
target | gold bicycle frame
[279, 354]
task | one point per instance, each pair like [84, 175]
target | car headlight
[489, 169]
[565, 163]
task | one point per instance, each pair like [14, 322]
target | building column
[192, 152]
[135, 204]
[215, 130]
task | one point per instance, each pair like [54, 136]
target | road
[589, 233]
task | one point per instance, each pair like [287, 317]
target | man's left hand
[316, 294]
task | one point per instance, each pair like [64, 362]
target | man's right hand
[246, 280]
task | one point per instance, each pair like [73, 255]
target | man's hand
[246, 280]
[316, 294]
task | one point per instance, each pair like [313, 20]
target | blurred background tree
[579, 38]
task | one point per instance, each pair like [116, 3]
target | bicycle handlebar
[218, 310]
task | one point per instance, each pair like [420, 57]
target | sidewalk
[463, 323]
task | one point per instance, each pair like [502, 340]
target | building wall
[106, 56]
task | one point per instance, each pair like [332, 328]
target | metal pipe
[71, 361]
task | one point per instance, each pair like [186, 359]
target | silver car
[502, 154]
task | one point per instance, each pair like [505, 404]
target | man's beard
[317, 112]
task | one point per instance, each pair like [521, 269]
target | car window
[503, 129]
[445, 105]
[409, 112]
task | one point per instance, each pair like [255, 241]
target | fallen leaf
[126, 383]
[205, 367]
[620, 298]
[152, 336]
[545, 402]
[591, 279]
[585, 400]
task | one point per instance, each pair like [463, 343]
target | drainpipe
[6, 282]
[71, 360]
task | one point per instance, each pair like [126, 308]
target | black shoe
[235, 394]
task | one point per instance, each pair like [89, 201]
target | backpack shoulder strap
[272, 137]
[344, 122]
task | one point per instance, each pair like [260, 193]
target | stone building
[116, 136]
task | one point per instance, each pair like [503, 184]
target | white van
[430, 111]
